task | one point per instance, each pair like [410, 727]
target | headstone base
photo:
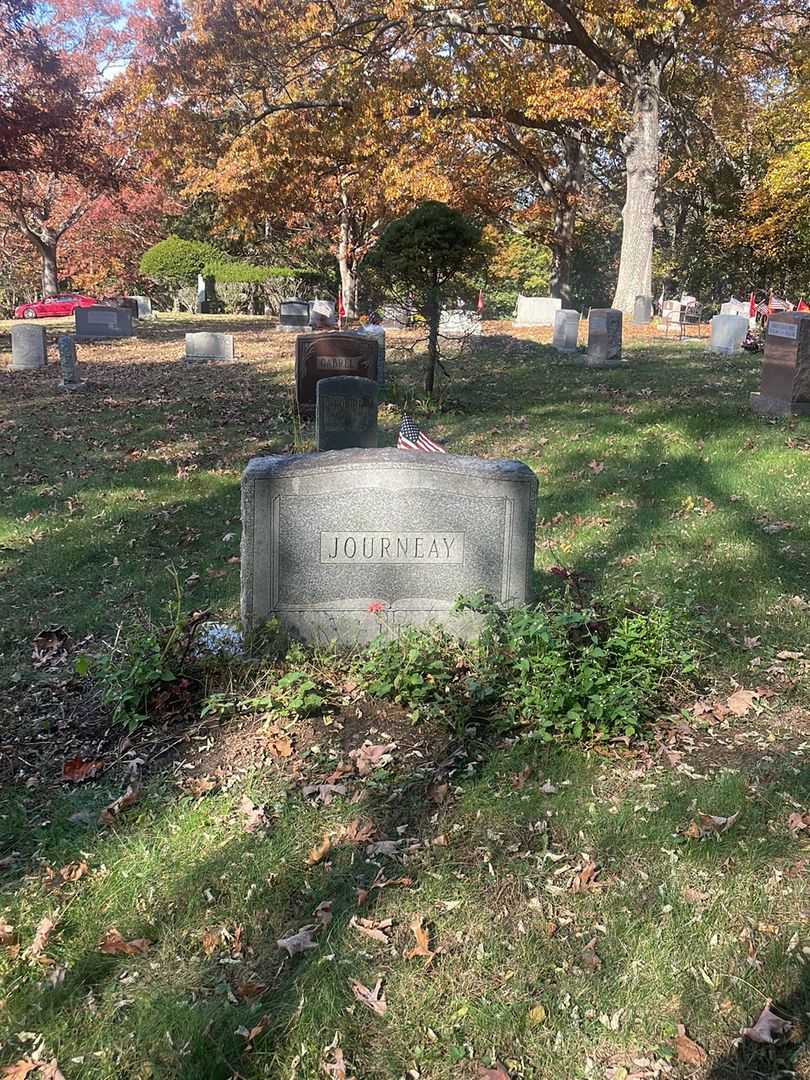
[82, 384]
[763, 405]
[595, 362]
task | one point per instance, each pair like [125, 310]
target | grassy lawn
[572, 921]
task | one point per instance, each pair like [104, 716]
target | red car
[63, 304]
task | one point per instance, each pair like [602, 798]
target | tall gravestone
[345, 413]
[202, 347]
[293, 315]
[329, 353]
[66, 344]
[536, 310]
[98, 322]
[785, 386]
[727, 333]
[604, 338]
[29, 347]
[566, 330]
[642, 310]
[343, 545]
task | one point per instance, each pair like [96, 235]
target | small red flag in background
[480, 305]
[341, 309]
[802, 306]
[752, 307]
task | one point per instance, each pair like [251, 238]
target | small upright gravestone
[345, 545]
[345, 413]
[322, 355]
[642, 310]
[785, 386]
[604, 338]
[98, 322]
[395, 317]
[202, 347]
[727, 334]
[66, 344]
[29, 347]
[322, 314]
[536, 310]
[143, 306]
[293, 315]
[566, 330]
[459, 323]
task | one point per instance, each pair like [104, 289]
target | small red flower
[376, 607]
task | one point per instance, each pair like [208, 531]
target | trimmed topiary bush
[174, 262]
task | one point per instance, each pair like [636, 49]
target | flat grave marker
[351, 543]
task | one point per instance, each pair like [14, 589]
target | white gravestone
[566, 330]
[351, 543]
[29, 347]
[378, 333]
[604, 338]
[536, 310]
[727, 334]
[202, 347]
[459, 323]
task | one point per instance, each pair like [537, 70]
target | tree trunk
[345, 255]
[641, 154]
[50, 276]
[433, 312]
[348, 283]
[565, 219]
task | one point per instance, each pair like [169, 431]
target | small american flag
[411, 438]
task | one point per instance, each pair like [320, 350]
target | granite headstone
[785, 386]
[377, 332]
[395, 317]
[346, 544]
[99, 322]
[203, 346]
[66, 344]
[143, 305]
[459, 323]
[293, 315]
[322, 315]
[604, 338]
[345, 413]
[29, 347]
[566, 330]
[329, 353]
[727, 334]
[536, 310]
[642, 310]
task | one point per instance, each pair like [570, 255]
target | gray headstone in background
[345, 413]
[536, 310]
[459, 323]
[378, 333]
[343, 544]
[735, 307]
[66, 344]
[29, 347]
[203, 346]
[604, 338]
[785, 387]
[293, 315]
[395, 317]
[566, 330]
[727, 333]
[98, 322]
[642, 310]
[143, 305]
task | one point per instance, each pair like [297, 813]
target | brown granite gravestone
[785, 386]
[327, 354]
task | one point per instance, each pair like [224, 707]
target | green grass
[657, 481]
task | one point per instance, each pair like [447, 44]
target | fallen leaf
[537, 1015]
[368, 757]
[335, 1069]
[280, 746]
[254, 815]
[710, 824]
[437, 793]
[768, 1028]
[741, 701]
[751, 642]
[51, 1071]
[384, 847]
[324, 793]
[199, 785]
[253, 1033]
[688, 1052]
[323, 912]
[76, 770]
[694, 896]
[41, 935]
[596, 466]
[588, 958]
[250, 991]
[114, 945]
[498, 1072]
[798, 822]
[6, 933]
[422, 946]
[372, 929]
[320, 850]
[49, 647]
[123, 802]
[787, 654]
[584, 879]
[372, 999]
[300, 942]
[71, 872]
[355, 832]
[22, 1068]
[211, 940]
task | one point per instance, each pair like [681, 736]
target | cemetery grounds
[478, 903]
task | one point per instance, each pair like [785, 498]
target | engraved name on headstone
[293, 315]
[345, 413]
[99, 322]
[347, 544]
[785, 386]
[604, 338]
[566, 330]
[29, 347]
[319, 355]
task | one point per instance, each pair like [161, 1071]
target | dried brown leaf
[250, 991]
[370, 757]
[76, 770]
[497, 1072]
[324, 793]
[300, 942]
[254, 815]
[588, 958]
[323, 912]
[320, 851]
[372, 929]
[584, 879]
[20, 1069]
[123, 802]
[356, 832]
[741, 701]
[373, 999]
[6, 933]
[41, 935]
[688, 1052]
[114, 945]
[211, 941]
[422, 946]
[798, 822]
